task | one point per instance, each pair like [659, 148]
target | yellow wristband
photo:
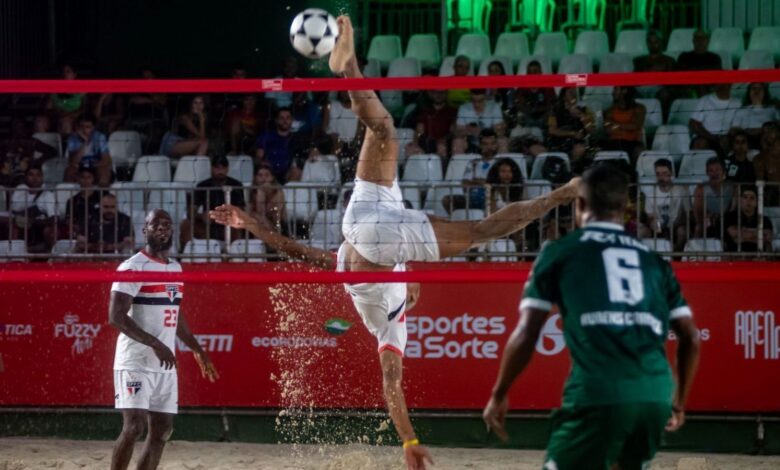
[411, 443]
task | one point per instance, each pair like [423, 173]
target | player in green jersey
[617, 300]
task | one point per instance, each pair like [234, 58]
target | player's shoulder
[141, 261]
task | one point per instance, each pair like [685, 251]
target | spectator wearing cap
[88, 147]
[742, 224]
[209, 194]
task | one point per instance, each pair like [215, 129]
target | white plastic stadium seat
[384, 49]
[757, 60]
[694, 164]
[730, 40]
[499, 250]
[54, 171]
[653, 114]
[300, 200]
[467, 214]
[706, 245]
[543, 60]
[616, 63]
[537, 187]
[575, 63]
[404, 136]
[423, 168]
[425, 48]
[400, 67]
[512, 45]
[62, 193]
[553, 45]
[241, 167]
[324, 170]
[632, 42]
[152, 168]
[138, 219]
[412, 193]
[210, 250]
[457, 166]
[171, 197]
[12, 247]
[536, 170]
[192, 170]
[674, 139]
[52, 139]
[326, 229]
[63, 247]
[250, 250]
[766, 38]
[682, 110]
[594, 44]
[372, 69]
[659, 245]
[645, 164]
[680, 40]
[506, 62]
[124, 148]
[606, 155]
[129, 196]
[475, 46]
[602, 94]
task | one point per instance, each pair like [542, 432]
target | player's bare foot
[344, 50]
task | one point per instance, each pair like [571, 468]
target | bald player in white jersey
[149, 319]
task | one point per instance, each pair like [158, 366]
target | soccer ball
[313, 33]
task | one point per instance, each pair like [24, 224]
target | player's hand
[207, 369]
[494, 416]
[416, 456]
[676, 420]
[227, 214]
[165, 355]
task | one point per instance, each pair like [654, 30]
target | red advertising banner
[303, 345]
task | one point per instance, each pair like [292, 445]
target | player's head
[158, 230]
[603, 194]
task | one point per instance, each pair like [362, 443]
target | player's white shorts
[153, 391]
[383, 231]
[381, 306]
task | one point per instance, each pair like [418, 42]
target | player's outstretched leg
[456, 237]
[342, 58]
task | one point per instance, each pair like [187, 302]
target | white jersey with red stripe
[155, 309]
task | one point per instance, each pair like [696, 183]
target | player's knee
[133, 428]
[161, 434]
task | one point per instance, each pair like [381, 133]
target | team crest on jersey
[133, 387]
[171, 290]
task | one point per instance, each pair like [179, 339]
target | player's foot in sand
[344, 50]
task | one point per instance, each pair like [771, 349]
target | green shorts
[597, 437]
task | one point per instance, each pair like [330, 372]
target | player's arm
[392, 371]
[688, 350]
[183, 332]
[227, 214]
[517, 354]
[365, 103]
[118, 317]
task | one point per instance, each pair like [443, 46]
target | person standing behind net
[617, 300]
[382, 235]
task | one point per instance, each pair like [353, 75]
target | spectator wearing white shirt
[666, 205]
[478, 114]
[33, 208]
[342, 122]
[713, 116]
[756, 111]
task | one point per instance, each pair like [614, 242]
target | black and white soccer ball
[313, 33]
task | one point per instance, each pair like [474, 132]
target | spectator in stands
[738, 168]
[531, 106]
[18, 152]
[699, 58]
[767, 164]
[110, 232]
[435, 120]
[88, 147]
[713, 116]
[506, 183]
[569, 126]
[461, 68]
[624, 122]
[342, 122]
[209, 194]
[267, 199]
[656, 61]
[147, 113]
[503, 96]
[479, 114]
[33, 209]
[712, 200]
[307, 112]
[666, 205]
[110, 110]
[284, 99]
[244, 124]
[475, 176]
[742, 224]
[83, 206]
[274, 145]
[66, 107]
[756, 111]
[189, 135]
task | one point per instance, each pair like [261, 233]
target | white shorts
[383, 231]
[153, 391]
[381, 307]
